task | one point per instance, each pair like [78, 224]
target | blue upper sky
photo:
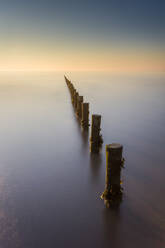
[130, 17]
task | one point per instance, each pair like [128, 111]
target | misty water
[50, 184]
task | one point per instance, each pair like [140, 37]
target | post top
[114, 146]
[96, 116]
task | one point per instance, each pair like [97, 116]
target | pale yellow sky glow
[60, 57]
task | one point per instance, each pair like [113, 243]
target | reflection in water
[111, 227]
[85, 139]
[95, 164]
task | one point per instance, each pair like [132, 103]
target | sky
[88, 35]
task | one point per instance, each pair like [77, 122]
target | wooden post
[72, 96]
[71, 87]
[67, 81]
[114, 162]
[79, 109]
[76, 95]
[69, 84]
[96, 139]
[85, 115]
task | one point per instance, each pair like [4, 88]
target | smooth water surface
[50, 185]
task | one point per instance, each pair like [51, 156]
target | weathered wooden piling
[67, 81]
[79, 108]
[114, 162]
[73, 95]
[85, 115]
[96, 138]
[76, 95]
[71, 88]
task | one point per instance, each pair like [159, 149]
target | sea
[50, 183]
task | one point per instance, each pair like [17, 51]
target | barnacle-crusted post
[85, 115]
[79, 109]
[114, 162]
[96, 139]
